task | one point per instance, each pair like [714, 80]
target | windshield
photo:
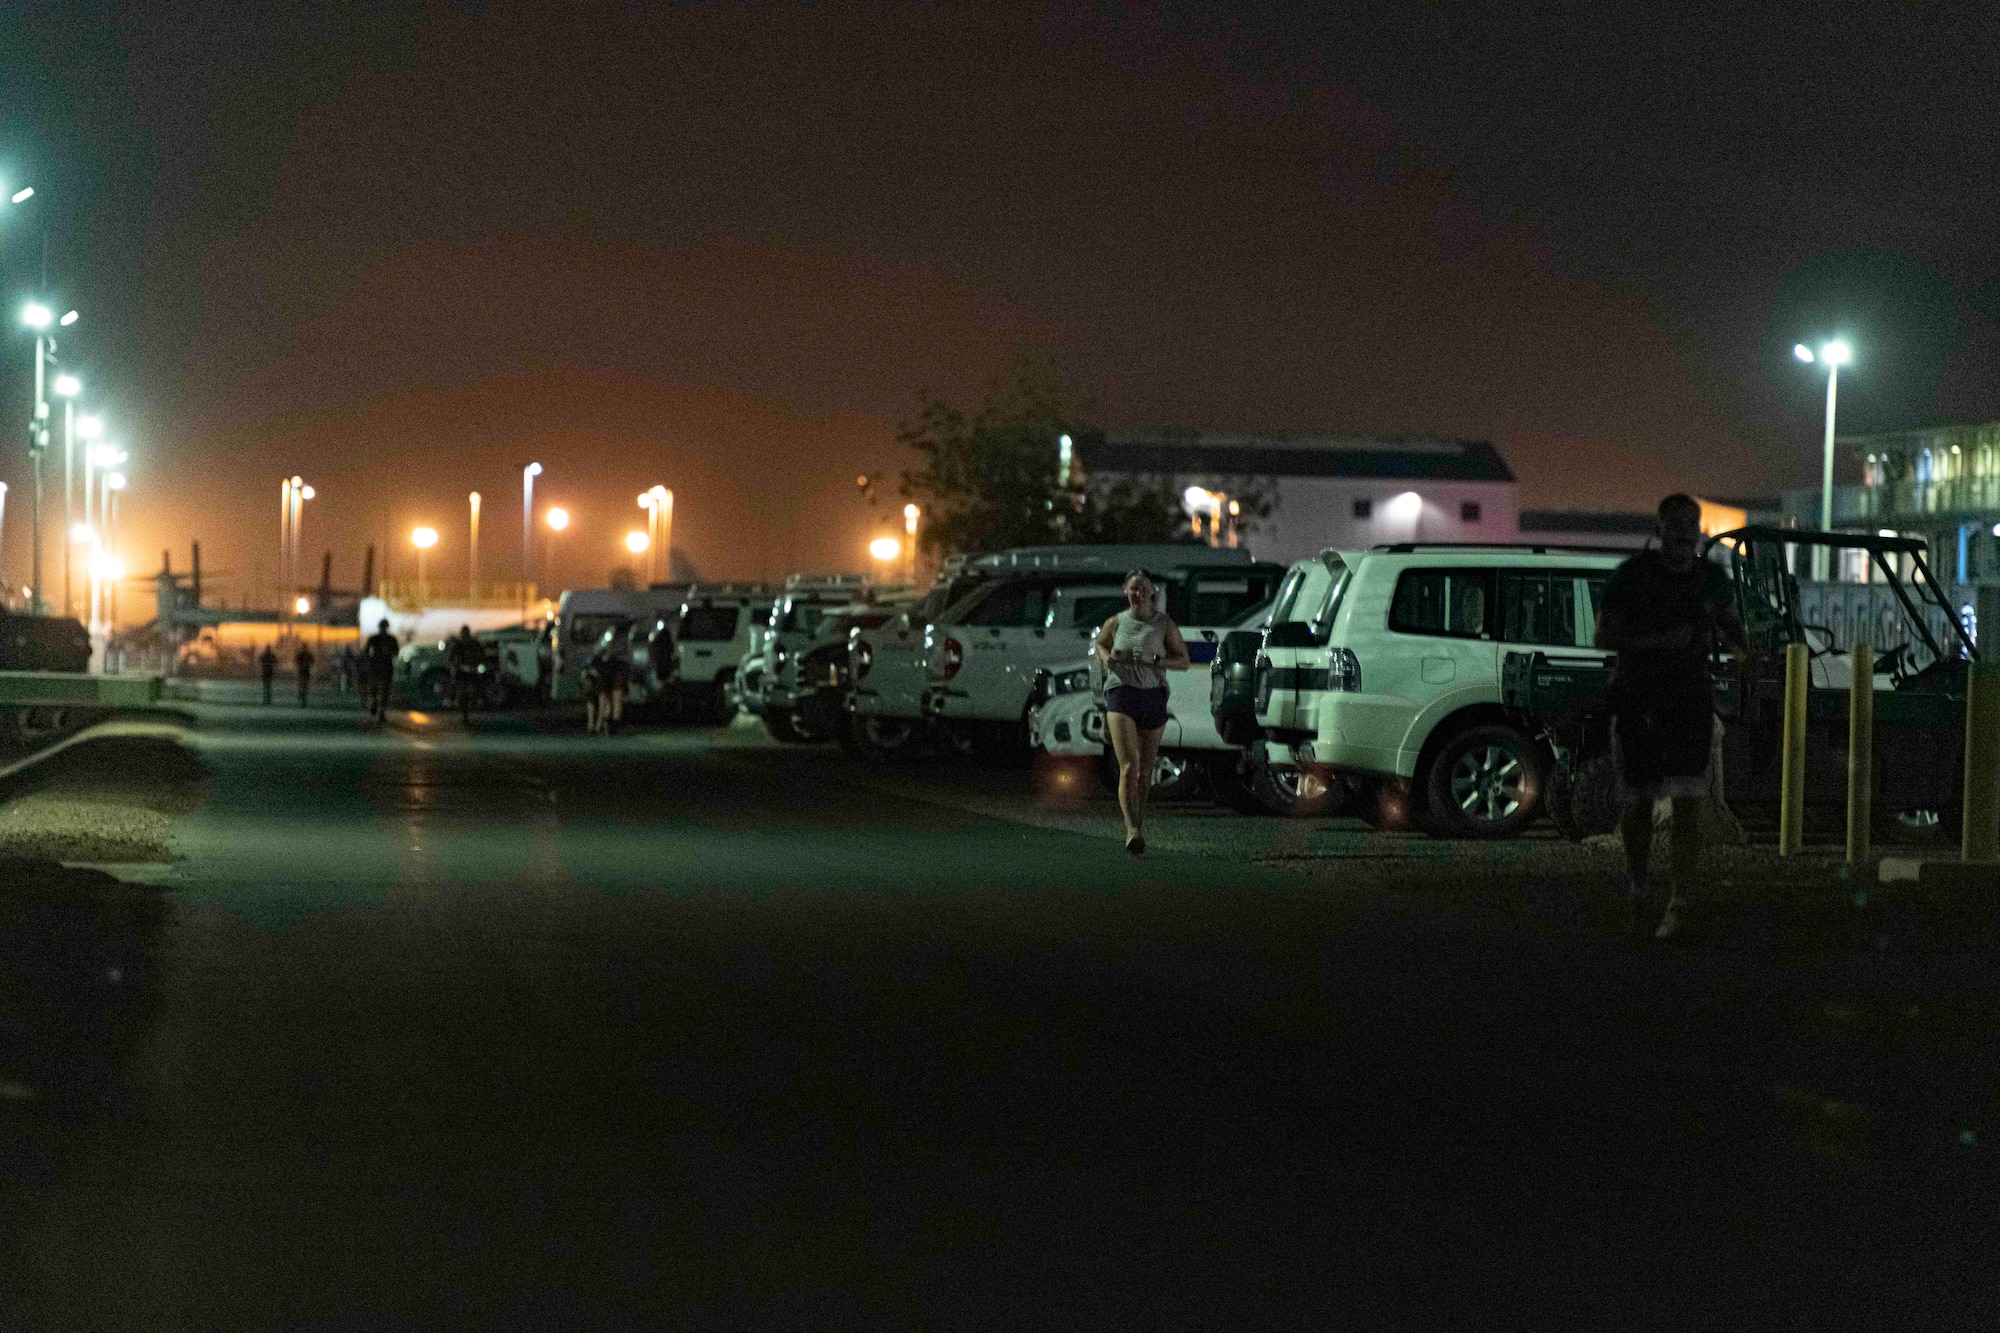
[586, 629]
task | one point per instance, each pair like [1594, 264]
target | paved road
[518, 1030]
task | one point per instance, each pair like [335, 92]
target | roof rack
[808, 581]
[1533, 548]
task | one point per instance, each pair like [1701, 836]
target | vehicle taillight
[1343, 671]
[954, 657]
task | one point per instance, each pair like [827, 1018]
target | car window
[1539, 606]
[1090, 609]
[1224, 600]
[799, 617]
[1451, 603]
[709, 623]
[1015, 604]
[587, 629]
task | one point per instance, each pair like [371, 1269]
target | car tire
[1230, 777]
[433, 688]
[884, 740]
[783, 728]
[1291, 792]
[1176, 776]
[1485, 782]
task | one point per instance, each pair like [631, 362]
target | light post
[910, 515]
[68, 386]
[659, 506]
[90, 430]
[423, 539]
[472, 552]
[557, 519]
[528, 475]
[638, 543]
[1833, 355]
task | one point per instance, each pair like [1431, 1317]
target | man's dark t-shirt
[380, 654]
[1648, 598]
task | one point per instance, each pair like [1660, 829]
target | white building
[1347, 491]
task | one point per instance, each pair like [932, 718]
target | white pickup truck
[984, 654]
[891, 676]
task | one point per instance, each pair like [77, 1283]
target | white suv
[1410, 666]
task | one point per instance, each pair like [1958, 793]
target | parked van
[582, 616]
[1411, 674]
[984, 655]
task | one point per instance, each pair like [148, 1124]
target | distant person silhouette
[302, 661]
[464, 654]
[267, 667]
[378, 663]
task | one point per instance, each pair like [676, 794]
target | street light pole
[472, 555]
[528, 475]
[1833, 355]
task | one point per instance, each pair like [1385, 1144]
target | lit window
[1364, 508]
[1468, 512]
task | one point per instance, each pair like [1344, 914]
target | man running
[464, 655]
[378, 658]
[267, 669]
[302, 662]
[1664, 612]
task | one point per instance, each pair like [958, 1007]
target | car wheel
[886, 739]
[1230, 776]
[1174, 774]
[434, 688]
[783, 728]
[1486, 782]
[1291, 792]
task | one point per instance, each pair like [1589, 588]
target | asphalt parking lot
[515, 1028]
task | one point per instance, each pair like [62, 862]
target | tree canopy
[990, 479]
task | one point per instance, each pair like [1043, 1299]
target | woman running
[1137, 646]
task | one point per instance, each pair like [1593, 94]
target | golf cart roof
[1845, 541]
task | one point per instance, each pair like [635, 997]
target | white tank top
[1146, 638]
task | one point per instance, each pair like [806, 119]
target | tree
[990, 479]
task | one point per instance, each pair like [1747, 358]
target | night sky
[404, 249]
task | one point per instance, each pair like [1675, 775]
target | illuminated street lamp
[68, 386]
[302, 605]
[472, 553]
[38, 317]
[528, 475]
[910, 516]
[558, 520]
[292, 496]
[659, 506]
[638, 543]
[1833, 355]
[885, 548]
[423, 539]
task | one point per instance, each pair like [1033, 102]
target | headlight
[1070, 682]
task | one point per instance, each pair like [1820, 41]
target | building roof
[1585, 520]
[1294, 454]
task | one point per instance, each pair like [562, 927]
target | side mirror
[1290, 634]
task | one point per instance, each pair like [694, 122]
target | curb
[173, 730]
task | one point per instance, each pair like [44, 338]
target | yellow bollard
[1980, 803]
[1792, 775]
[1861, 755]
